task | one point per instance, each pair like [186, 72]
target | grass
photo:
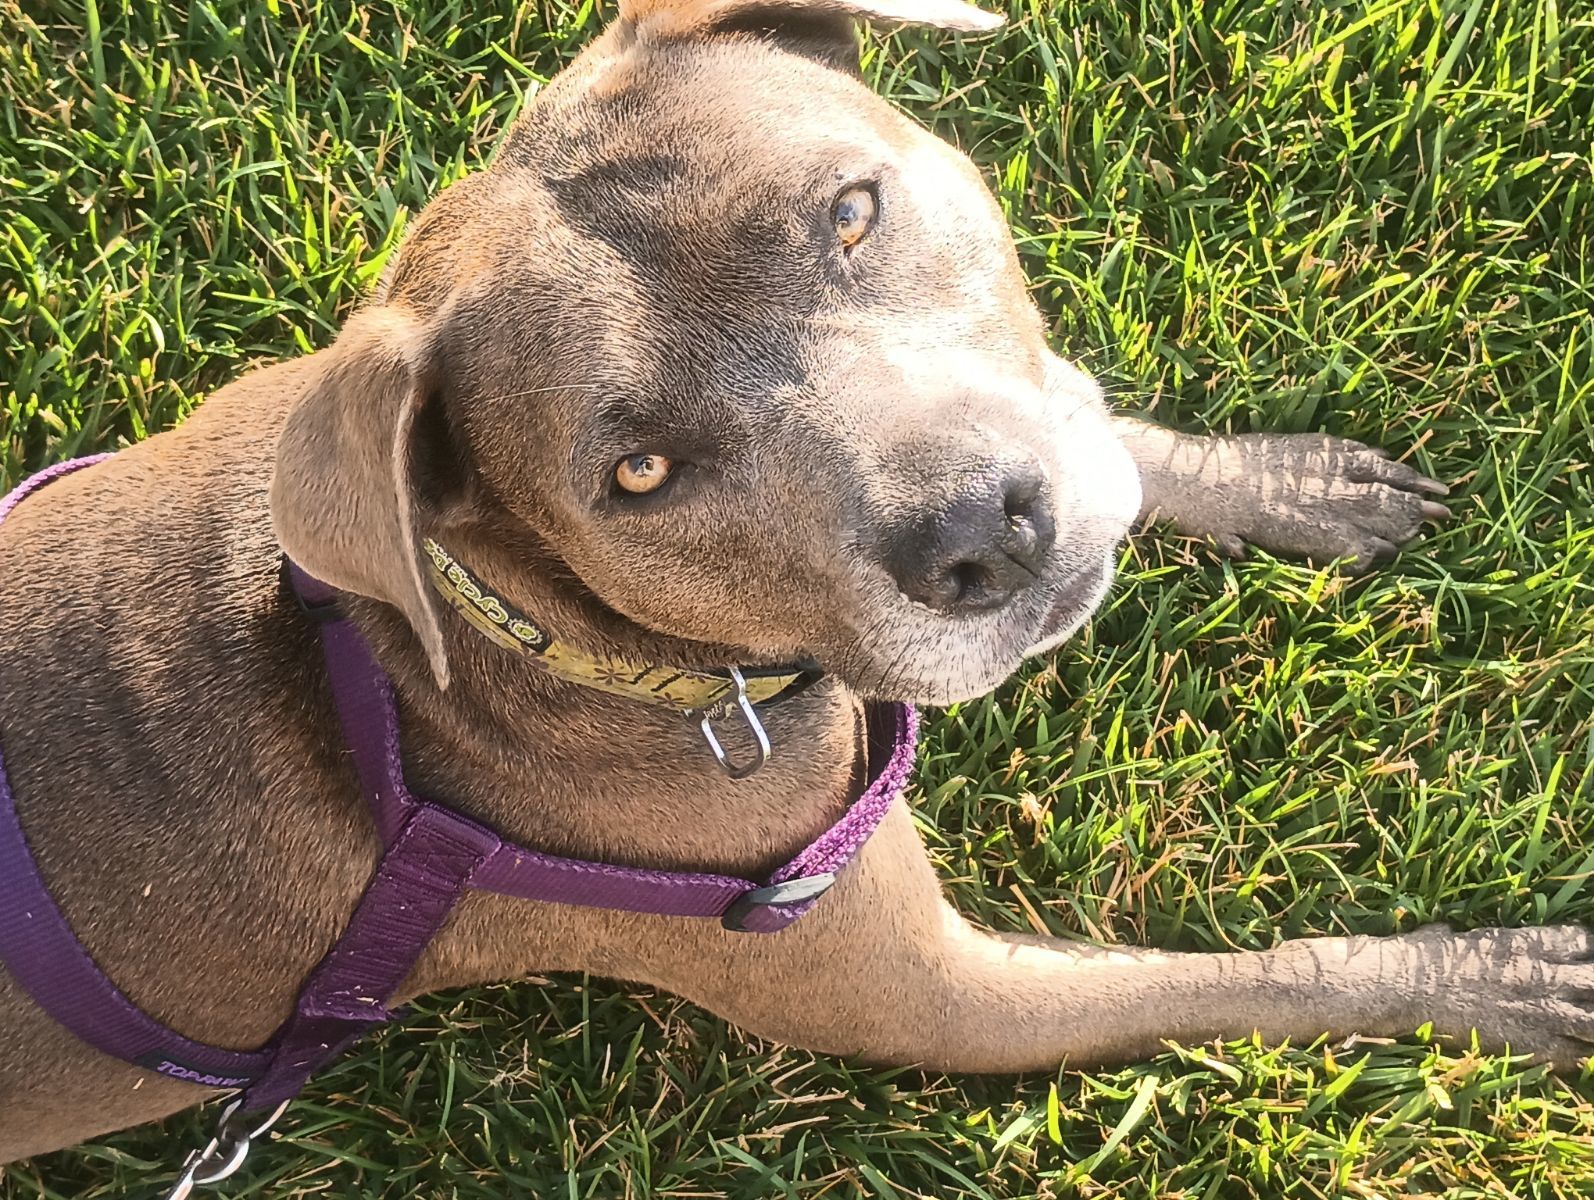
[1375, 218]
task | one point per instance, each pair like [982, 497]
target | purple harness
[432, 856]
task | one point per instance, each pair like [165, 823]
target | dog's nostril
[967, 580]
[1029, 529]
[1019, 503]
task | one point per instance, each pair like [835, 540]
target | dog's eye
[854, 214]
[643, 473]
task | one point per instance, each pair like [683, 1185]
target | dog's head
[745, 350]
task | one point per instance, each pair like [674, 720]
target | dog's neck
[525, 750]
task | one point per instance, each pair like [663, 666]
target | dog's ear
[685, 18]
[344, 492]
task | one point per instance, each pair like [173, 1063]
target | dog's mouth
[920, 658]
[1078, 597]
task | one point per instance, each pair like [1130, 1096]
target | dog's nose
[978, 549]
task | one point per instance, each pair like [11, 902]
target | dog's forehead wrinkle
[733, 275]
[667, 419]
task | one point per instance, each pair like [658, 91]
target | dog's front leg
[1526, 988]
[884, 970]
[1307, 494]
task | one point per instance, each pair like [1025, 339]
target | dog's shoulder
[159, 536]
[143, 613]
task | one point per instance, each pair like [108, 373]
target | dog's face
[753, 355]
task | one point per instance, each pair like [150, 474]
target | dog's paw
[1321, 498]
[1529, 991]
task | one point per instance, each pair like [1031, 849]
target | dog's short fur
[652, 264]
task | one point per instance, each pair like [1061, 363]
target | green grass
[1374, 218]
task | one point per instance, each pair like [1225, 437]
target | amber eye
[642, 473]
[854, 215]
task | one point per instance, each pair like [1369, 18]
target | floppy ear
[343, 495]
[680, 18]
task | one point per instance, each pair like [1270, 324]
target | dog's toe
[1364, 464]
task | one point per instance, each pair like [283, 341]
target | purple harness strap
[432, 856]
[418, 882]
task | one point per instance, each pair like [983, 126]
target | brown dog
[706, 242]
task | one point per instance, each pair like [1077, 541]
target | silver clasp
[223, 1154]
[749, 715]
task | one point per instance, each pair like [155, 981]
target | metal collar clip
[740, 703]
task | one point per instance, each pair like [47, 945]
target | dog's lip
[1075, 600]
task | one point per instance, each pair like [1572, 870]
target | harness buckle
[791, 891]
[750, 715]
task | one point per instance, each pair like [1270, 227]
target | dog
[722, 361]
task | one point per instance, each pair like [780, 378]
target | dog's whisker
[538, 391]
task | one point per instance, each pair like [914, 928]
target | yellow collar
[687, 691]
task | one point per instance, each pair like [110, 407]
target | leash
[431, 856]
